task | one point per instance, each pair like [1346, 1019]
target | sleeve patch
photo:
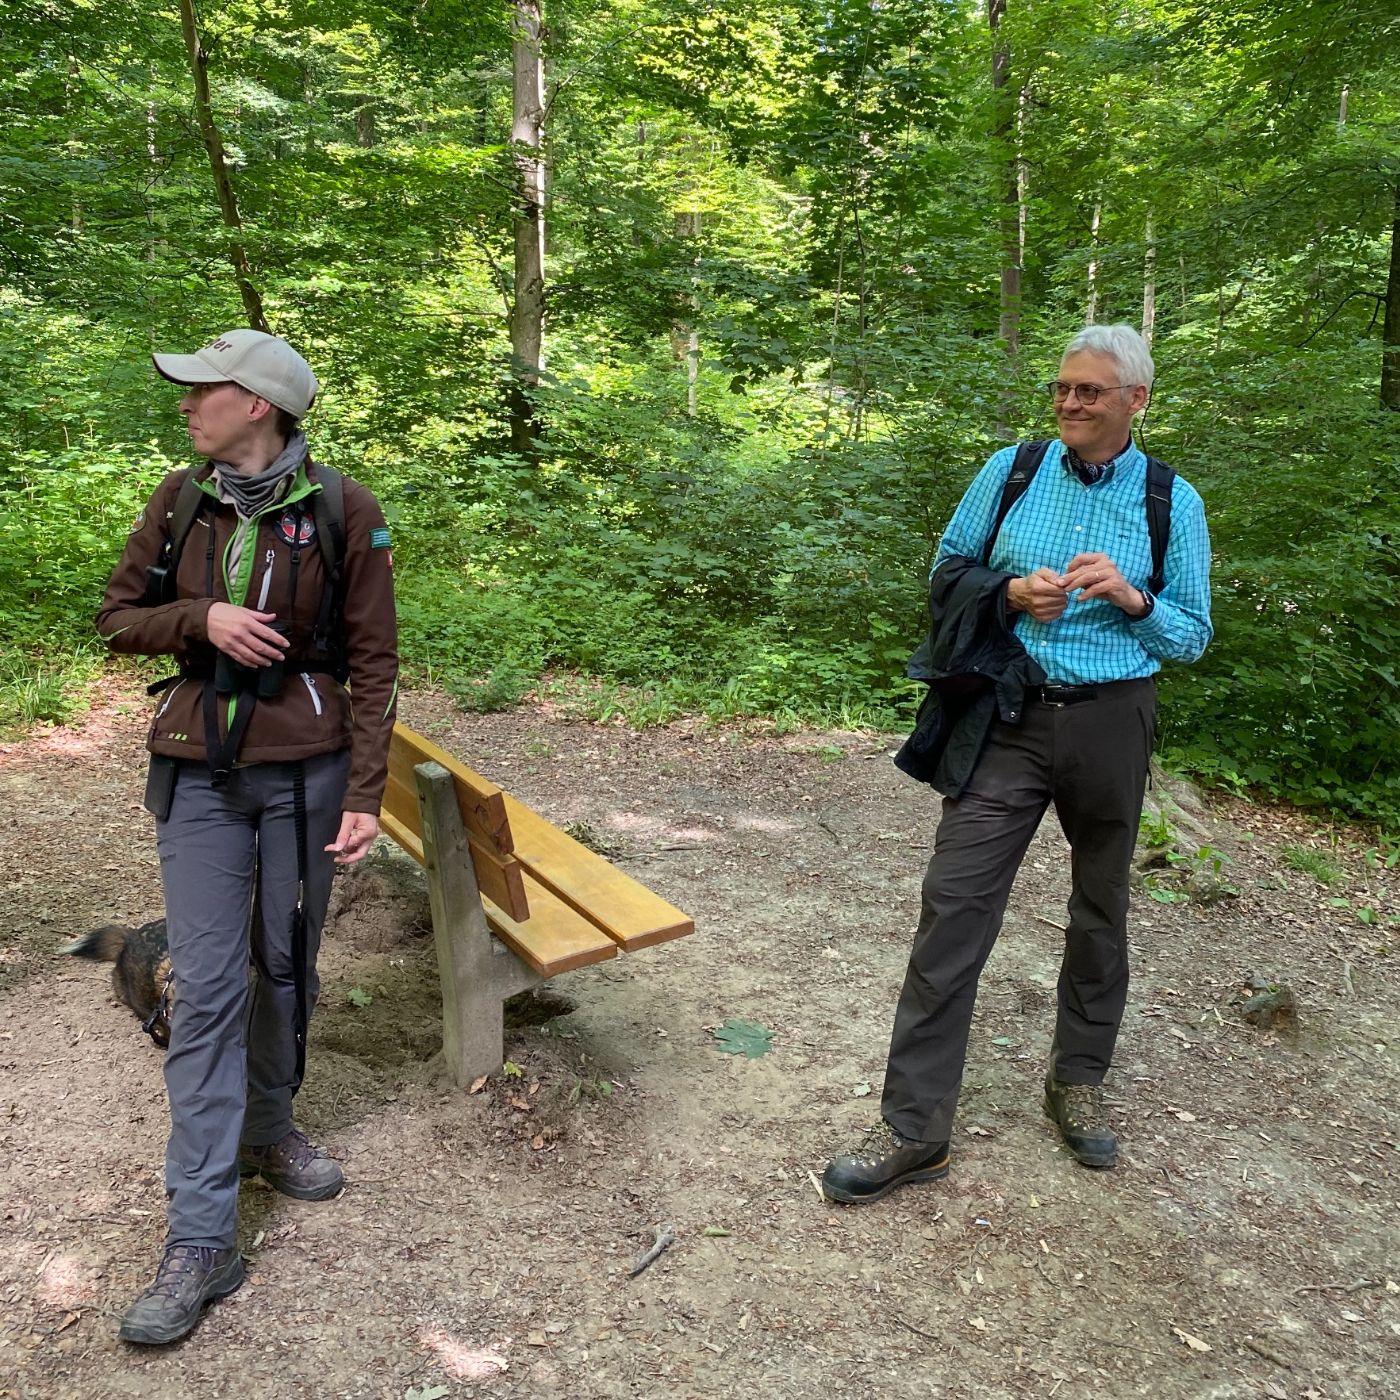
[379, 537]
[138, 522]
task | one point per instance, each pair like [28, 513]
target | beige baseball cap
[262, 364]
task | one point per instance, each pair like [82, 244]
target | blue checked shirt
[1058, 517]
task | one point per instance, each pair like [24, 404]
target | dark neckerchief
[1090, 472]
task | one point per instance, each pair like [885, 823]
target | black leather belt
[1063, 694]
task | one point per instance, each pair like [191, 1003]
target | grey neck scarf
[250, 494]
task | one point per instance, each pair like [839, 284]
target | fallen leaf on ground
[463, 1362]
[745, 1038]
[1195, 1343]
[478, 1084]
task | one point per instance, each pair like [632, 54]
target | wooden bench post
[477, 972]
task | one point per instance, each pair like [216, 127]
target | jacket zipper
[312, 691]
[266, 581]
[169, 696]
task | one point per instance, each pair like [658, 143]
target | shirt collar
[1091, 473]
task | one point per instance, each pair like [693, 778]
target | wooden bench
[515, 900]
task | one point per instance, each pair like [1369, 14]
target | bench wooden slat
[556, 938]
[395, 830]
[480, 801]
[501, 881]
[623, 908]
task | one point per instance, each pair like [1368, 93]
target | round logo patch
[295, 528]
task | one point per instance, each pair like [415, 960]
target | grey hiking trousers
[1090, 759]
[228, 861]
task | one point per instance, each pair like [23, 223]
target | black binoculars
[265, 681]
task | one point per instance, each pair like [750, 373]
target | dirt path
[1246, 1245]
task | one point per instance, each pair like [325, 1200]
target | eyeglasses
[1059, 391]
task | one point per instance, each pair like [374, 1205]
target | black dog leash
[301, 1014]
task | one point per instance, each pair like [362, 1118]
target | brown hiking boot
[1078, 1111]
[292, 1166]
[190, 1275]
[883, 1161]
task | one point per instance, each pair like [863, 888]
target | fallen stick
[665, 1238]
[917, 1331]
[1339, 1287]
[1260, 1350]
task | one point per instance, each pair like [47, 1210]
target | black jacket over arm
[976, 669]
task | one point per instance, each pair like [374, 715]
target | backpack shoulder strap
[1024, 466]
[160, 577]
[328, 506]
[1159, 519]
[187, 504]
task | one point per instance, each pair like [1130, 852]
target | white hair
[1123, 345]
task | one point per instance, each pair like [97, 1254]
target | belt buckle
[1047, 694]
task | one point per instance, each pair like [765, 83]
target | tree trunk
[73, 146]
[223, 186]
[685, 335]
[1390, 339]
[1091, 310]
[1009, 325]
[527, 136]
[365, 134]
[1023, 179]
[1149, 285]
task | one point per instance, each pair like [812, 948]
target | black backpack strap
[1159, 519]
[1024, 466]
[160, 576]
[328, 506]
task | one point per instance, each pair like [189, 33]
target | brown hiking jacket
[313, 713]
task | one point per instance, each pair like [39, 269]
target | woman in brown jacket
[266, 771]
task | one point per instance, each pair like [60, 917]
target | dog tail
[101, 945]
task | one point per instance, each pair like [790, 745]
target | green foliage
[595, 1088]
[42, 690]
[816, 193]
[1310, 861]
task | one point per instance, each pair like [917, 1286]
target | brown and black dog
[141, 973]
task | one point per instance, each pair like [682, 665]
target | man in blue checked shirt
[1070, 565]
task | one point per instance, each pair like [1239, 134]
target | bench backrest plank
[480, 801]
[501, 881]
[623, 908]
[482, 807]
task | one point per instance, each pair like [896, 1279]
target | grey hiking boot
[190, 1275]
[292, 1166]
[883, 1161]
[1078, 1111]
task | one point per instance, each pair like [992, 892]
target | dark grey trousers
[1090, 760]
[228, 861]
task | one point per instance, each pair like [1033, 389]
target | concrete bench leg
[477, 972]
